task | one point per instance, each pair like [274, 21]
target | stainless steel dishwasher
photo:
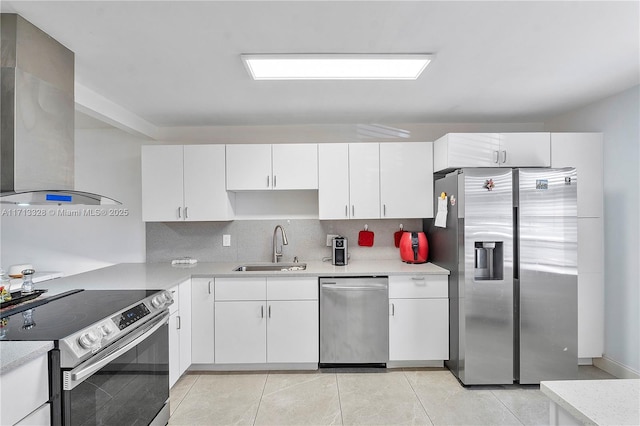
[354, 320]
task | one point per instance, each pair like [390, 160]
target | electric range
[110, 362]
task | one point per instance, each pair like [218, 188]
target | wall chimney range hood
[37, 119]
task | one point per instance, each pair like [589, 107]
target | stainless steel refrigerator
[510, 243]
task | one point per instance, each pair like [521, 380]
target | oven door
[126, 383]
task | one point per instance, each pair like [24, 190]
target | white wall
[107, 162]
[617, 117]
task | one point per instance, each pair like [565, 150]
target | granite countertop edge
[16, 354]
[597, 402]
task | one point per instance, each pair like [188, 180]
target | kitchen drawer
[305, 288]
[24, 389]
[418, 286]
[173, 308]
[250, 288]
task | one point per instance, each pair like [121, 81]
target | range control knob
[161, 300]
[88, 340]
[105, 330]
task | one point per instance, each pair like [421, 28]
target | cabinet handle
[269, 312]
[186, 212]
[353, 211]
[393, 310]
[384, 210]
[504, 157]
[261, 311]
[496, 157]
[274, 181]
[417, 278]
[346, 210]
[179, 212]
[209, 287]
[178, 323]
[267, 181]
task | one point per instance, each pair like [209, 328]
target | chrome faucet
[277, 255]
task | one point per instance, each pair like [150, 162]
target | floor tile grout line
[339, 400]
[404, 374]
[505, 406]
[185, 394]
[264, 386]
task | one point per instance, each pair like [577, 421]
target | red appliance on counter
[414, 247]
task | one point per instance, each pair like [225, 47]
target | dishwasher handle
[367, 287]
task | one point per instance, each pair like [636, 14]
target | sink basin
[267, 267]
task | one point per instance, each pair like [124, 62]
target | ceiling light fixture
[336, 66]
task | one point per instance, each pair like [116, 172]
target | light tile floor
[430, 396]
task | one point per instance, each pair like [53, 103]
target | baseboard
[585, 361]
[615, 368]
[254, 367]
[415, 364]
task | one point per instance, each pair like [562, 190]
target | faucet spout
[277, 255]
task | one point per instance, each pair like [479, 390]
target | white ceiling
[177, 63]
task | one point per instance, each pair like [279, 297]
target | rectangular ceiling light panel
[335, 67]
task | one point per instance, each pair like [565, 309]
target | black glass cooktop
[62, 317]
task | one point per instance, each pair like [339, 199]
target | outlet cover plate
[330, 238]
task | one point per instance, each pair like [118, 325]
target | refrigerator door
[444, 251]
[547, 276]
[486, 279]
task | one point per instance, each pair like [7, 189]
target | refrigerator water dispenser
[489, 262]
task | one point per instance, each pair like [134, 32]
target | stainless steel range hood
[37, 119]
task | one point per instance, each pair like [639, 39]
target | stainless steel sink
[270, 267]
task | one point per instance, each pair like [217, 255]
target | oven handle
[86, 369]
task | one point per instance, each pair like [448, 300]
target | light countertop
[162, 276]
[15, 354]
[597, 402]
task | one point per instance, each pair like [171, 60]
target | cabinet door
[333, 181]
[406, 180]
[295, 166]
[364, 180]
[185, 325]
[419, 329]
[174, 348]
[202, 321]
[456, 150]
[248, 167]
[205, 193]
[292, 331]
[240, 332]
[162, 183]
[584, 152]
[525, 149]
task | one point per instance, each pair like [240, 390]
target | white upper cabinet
[457, 150]
[406, 180]
[584, 152]
[364, 180]
[333, 181]
[349, 181]
[295, 166]
[184, 183]
[525, 150]
[248, 167]
[252, 167]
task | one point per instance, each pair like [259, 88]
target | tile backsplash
[251, 240]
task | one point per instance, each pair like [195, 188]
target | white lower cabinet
[202, 321]
[266, 320]
[418, 318]
[240, 336]
[25, 391]
[179, 331]
[292, 331]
